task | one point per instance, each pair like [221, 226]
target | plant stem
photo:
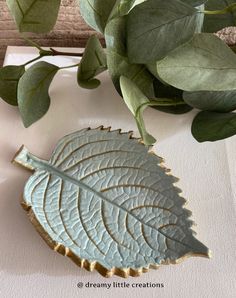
[229, 9]
[59, 53]
[164, 103]
[35, 59]
[32, 43]
[69, 66]
[53, 52]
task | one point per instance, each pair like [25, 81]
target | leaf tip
[199, 249]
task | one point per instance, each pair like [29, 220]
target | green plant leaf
[204, 63]
[200, 19]
[108, 204]
[92, 64]
[194, 3]
[123, 7]
[115, 35]
[156, 27]
[214, 23]
[152, 67]
[163, 90]
[9, 78]
[213, 126]
[221, 101]
[96, 12]
[118, 63]
[200, 6]
[173, 94]
[126, 5]
[34, 15]
[33, 97]
[135, 101]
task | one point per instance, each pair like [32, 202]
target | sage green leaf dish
[108, 203]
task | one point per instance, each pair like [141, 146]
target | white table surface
[207, 172]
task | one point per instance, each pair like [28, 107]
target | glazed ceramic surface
[106, 201]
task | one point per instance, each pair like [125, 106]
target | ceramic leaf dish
[108, 203]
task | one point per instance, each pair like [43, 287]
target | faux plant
[163, 54]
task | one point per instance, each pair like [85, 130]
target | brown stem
[59, 53]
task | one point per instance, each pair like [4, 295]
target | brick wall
[70, 30]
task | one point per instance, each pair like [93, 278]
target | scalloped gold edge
[94, 265]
